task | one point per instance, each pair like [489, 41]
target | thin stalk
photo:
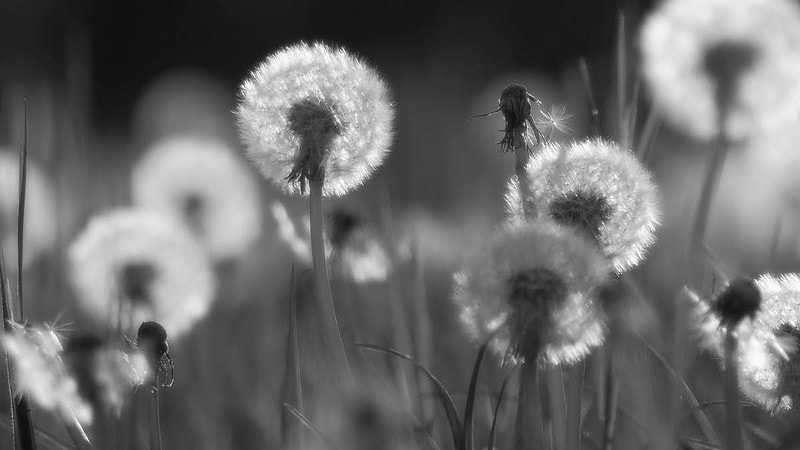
[558, 407]
[23, 166]
[621, 75]
[77, 434]
[612, 386]
[292, 383]
[525, 193]
[590, 98]
[733, 414]
[422, 332]
[154, 416]
[529, 432]
[710, 182]
[577, 373]
[322, 282]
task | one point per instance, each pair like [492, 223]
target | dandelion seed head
[767, 351]
[713, 59]
[310, 107]
[600, 189]
[147, 264]
[203, 183]
[534, 286]
[41, 375]
[740, 299]
[40, 222]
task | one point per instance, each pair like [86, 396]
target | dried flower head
[40, 374]
[315, 111]
[599, 189]
[534, 287]
[106, 375]
[202, 182]
[515, 104]
[131, 265]
[740, 299]
[712, 62]
[151, 341]
[40, 222]
[769, 362]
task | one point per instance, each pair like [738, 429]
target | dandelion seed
[598, 188]
[40, 373]
[203, 183]
[713, 61]
[769, 363]
[40, 221]
[129, 266]
[556, 118]
[534, 287]
[315, 111]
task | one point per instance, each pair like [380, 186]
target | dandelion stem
[707, 193]
[577, 374]
[529, 431]
[557, 407]
[733, 414]
[322, 281]
[522, 158]
[155, 419]
[612, 386]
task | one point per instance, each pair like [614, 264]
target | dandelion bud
[314, 111]
[739, 300]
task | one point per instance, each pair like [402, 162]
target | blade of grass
[292, 383]
[699, 414]
[444, 395]
[23, 176]
[76, 433]
[622, 69]
[493, 429]
[52, 441]
[612, 386]
[307, 423]
[7, 319]
[593, 109]
[469, 409]
[651, 127]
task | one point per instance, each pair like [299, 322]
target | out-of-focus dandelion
[40, 221]
[768, 360]
[202, 182]
[129, 266]
[315, 111]
[598, 188]
[106, 375]
[534, 287]
[40, 373]
[353, 246]
[712, 64]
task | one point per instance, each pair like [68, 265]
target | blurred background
[103, 81]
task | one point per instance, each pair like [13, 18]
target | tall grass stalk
[322, 282]
[733, 413]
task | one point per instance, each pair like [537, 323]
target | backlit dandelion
[314, 110]
[769, 362]
[40, 373]
[203, 183]
[598, 188]
[534, 286]
[40, 221]
[129, 266]
[715, 63]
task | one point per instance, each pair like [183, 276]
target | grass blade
[587, 84]
[444, 395]
[292, 383]
[469, 409]
[493, 429]
[23, 176]
[307, 423]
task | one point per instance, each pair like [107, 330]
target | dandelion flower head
[41, 374]
[598, 188]
[534, 287]
[136, 265]
[712, 61]
[312, 110]
[769, 362]
[40, 229]
[202, 182]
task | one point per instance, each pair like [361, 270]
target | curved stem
[322, 282]
[733, 414]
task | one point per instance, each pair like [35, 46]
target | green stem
[733, 414]
[322, 281]
[155, 419]
[577, 374]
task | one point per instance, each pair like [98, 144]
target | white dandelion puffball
[40, 373]
[40, 218]
[600, 189]
[315, 106]
[534, 286]
[202, 182]
[141, 266]
[768, 344]
[743, 55]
